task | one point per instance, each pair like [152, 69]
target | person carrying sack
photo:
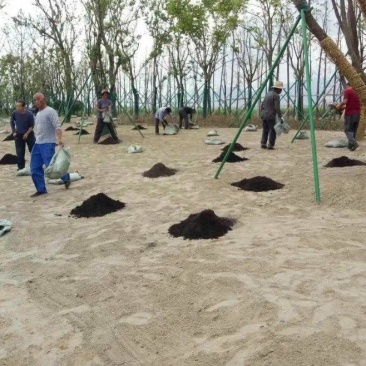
[48, 132]
[270, 108]
[104, 108]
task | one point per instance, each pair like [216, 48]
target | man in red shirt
[352, 116]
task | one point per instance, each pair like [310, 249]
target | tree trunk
[206, 97]
[338, 58]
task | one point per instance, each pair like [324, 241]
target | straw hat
[104, 91]
[278, 85]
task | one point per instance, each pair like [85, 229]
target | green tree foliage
[208, 24]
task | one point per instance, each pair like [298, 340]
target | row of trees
[211, 54]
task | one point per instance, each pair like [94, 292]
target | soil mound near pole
[159, 170]
[71, 128]
[139, 127]
[83, 132]
[233, 158]
[96, 206]
[203, 225]
[237, 147]
[8, 159]
[258, 184]
[108, 141]
[343, 161]
[9, 138]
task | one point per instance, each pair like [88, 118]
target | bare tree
[112, 42]
[57, 21]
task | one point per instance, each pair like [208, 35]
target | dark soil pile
[139, 127]
[237, 147]
[258, 184]
[71, 128]
[83, 132]
[343, 161]
[159, 170]
[8, 159]
[233, 158]
[96, 206]
[203, 225]
[9, 138]
[108, 141]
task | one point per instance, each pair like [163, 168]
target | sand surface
[287, 286]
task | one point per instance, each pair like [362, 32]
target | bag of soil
[107, 118]
[250, 128]
[5, 225]
[302, 135]
[281, 127]
[215, 141]
[23, 172]
[73, 177]
[212, 133]
[133, 149]
[337, 143]
[59, 164]
[170, 129]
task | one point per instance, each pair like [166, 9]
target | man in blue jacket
[22, 124]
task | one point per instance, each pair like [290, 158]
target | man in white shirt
[160, 116]
[47, 131]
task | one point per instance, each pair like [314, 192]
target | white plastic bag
[250, 128]
[214, 141]
[170, 129]
[5, 225]
[59, 164]
[133, 149]
[107, 118]
[73, 178]
[302, 135]
[337, 143]
[281, 127]
[23, 172]
[212, 133]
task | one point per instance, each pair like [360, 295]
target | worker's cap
[104, 91]
[278, 85]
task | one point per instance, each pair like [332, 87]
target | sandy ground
[287, 286]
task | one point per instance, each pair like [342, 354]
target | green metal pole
[84, 85]
[315, 105]
[261, 88]
[84, 109]
[129, 117]
[310, 106]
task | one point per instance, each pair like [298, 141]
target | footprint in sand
[137, 319]
[222, 304]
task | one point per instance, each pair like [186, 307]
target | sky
[13, 6]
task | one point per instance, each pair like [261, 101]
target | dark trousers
[269, 131]
[99, 130]
[20, 147]
[157, 121]
[183, 116]
[350, 127]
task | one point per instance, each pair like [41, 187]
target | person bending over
[186, 114]
[160, 116]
